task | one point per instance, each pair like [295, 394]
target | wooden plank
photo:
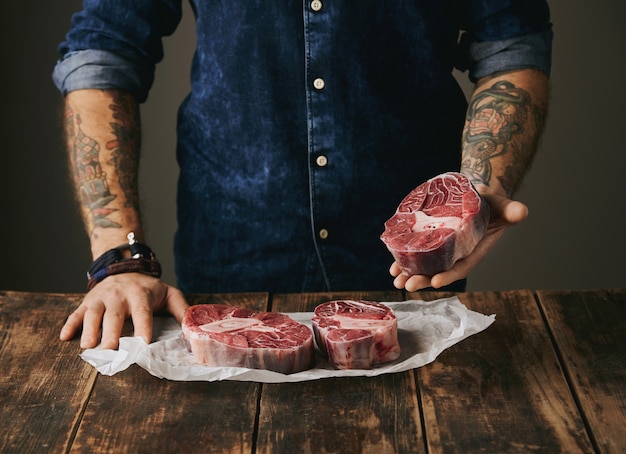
[502, 390]
[590, 330]
[364, 415]
[44, 384]
[135, 412]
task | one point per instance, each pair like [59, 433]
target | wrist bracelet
[139, 265]
[141, 260]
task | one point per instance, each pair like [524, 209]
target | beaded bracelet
[141, 260]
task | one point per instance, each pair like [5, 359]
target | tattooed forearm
[104, 160]
[90, 180]
[501, 122]
[125, 147]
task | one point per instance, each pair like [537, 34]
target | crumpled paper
[425, 329]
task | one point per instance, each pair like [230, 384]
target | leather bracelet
[141, 260]
[150, 267]
[109, 257]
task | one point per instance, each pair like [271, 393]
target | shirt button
[323, 234]
[316, 5]
[321, 160]
[319, 83]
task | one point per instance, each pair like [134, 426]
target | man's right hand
[105, 308]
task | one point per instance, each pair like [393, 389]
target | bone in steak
[438, 223]
[220, 335]
[356, 334]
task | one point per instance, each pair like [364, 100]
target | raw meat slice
[356, 334]
[436, 224]
[220, 335]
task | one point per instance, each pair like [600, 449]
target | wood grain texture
[135, 412]
[590, 330]
[360, 415]
[44, 384]
[548, 376]
[256, 301]
[502, 390]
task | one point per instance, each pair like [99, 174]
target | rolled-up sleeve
[102, 69]
[115, 45]
[505, 35]
[528, 51]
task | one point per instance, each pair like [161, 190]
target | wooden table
[548, 376]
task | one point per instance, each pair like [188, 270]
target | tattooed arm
[103, 140]
[504, 121]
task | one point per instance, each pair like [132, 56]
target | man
[306, 124]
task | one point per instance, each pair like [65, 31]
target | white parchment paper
[425, 329]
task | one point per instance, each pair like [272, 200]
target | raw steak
[220, 335]
[438, 223]
[356, 334]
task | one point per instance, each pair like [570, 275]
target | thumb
[505, 210]
[515, 212]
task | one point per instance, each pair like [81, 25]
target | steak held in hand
[438, 223]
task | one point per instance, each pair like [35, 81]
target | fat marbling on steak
[436, 224]
[356, 334]
[220, 335]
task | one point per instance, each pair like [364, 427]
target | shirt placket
[318, 80]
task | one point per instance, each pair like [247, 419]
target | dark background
[576, 191]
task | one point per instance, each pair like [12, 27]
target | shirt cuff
[102, 69]
[528, 51]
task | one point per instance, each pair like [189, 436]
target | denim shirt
[307, 122]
